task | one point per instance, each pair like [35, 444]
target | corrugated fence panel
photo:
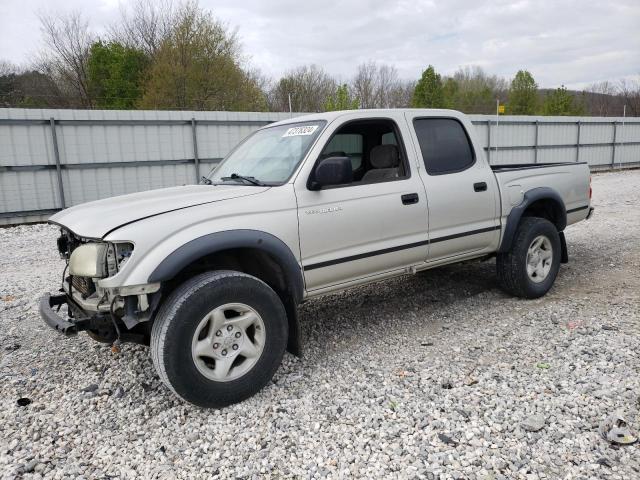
[103, 153]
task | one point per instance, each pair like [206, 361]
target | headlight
[99, 260]
[89, 260]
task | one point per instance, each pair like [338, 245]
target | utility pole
[497, 120]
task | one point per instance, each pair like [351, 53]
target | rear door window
[444, 144]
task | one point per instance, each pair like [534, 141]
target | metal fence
[604, 143]
[52, 159]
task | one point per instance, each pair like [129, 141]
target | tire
[190, 318]
[516, 272]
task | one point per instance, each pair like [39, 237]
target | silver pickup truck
[210, 276]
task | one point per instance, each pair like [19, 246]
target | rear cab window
[444, 144]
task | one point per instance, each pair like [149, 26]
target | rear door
[371, 226]
[461, 188]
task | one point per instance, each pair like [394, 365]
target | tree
[450, 92]
[378, 86]
[199, 67]
[602, 99]
[428, 92]
[115, 75]
[308, 87]
[145, 24]
[341, 100]
[8, 73]
[630, 93]
[561, 102]
[68, 41]
[523, 94]
[27, 88]
[476, 91]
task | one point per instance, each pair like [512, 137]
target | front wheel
[219, 338]
[529, 269]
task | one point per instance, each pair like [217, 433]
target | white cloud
[570, 42]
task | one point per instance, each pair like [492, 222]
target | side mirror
[332, 171]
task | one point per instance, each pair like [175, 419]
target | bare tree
[308, 86]
[145, 24]
[364, 85]
[388, 85]
[378, 86]
[7, 68]
[601, 99]
[630, 93]
[67, 44]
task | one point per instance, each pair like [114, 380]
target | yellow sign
[500, 108]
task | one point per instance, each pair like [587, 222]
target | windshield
[269, 156]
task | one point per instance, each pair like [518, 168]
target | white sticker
[297, 131]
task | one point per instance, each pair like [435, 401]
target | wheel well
[548, 209]
[247, 260]
[254, 262]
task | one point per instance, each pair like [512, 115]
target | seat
[385, 161]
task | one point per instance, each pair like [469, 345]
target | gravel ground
[439, 375]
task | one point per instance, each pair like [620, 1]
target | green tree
[472, 90]
[523, 94]
[115, 75]
[561, 102]
[341, 100]
[199, 66]
[450, 92]
[428, 92]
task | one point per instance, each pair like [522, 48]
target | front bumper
[51, 317]
[78, 319]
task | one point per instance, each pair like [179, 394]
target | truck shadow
[384, 306]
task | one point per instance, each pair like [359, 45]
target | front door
[375, 224]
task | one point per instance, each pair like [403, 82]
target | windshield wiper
[205, 181]
[235, 176]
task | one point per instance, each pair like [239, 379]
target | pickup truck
[210, 276]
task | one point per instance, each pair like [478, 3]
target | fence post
[535, 146]
[56, 156]
[578, 143]
[195, 149]
[613, 147]
[489, 141]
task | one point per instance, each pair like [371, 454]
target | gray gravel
[439, 375]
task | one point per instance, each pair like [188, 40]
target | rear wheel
[530, 268]
[219, 338]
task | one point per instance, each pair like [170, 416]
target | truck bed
[569, 179]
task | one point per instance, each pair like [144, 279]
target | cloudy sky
[561, 42]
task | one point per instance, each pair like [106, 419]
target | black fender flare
[531, 196]
[219, 241]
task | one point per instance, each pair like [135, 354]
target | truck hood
[96, 219]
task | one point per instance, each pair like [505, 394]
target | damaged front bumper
[77, 321]
[128, 319]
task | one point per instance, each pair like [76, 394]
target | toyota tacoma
[210, 276]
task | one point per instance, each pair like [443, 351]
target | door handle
[410, 198]
[480, 187]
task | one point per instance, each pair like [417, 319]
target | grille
[84, 285]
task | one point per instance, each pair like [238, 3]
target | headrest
[384, 156]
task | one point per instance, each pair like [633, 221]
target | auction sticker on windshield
[297, 131]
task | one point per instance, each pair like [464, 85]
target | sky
[574, 43]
